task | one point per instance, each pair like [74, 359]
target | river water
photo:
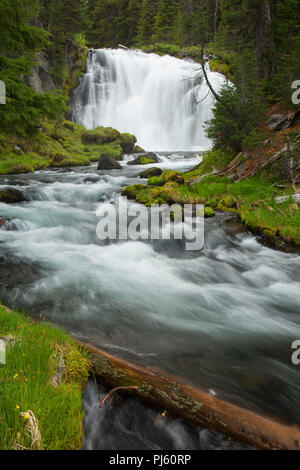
[223, 318]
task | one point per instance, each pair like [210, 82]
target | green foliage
[146, 21]
[252, 199]
[24, 108]
[25, 384]
[235, 119]
[214, 160]
[162, 48]
[217, 65]
[166, 26]
[60, 145]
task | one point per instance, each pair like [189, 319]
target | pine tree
[166, 21]
[133, 12]
[105, 29]
[24, 107]
[147, 21]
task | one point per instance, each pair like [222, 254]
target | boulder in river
[106, 162]
[145, 159]
[12, 196]
[138, 149]
[151, 172]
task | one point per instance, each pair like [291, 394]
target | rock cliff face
[42, 80]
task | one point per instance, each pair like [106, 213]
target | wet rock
[2, 222]
[127, 142]
[16, 225]
[145, 159]
[138, 149]
[91, 179]
[106, 162]
[12, 196]
[151, 172]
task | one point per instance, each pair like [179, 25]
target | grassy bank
[44, 373]
[253, 198]
[61, 145]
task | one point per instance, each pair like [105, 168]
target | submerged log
[193, 404]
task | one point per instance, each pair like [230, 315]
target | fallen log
[193, 404]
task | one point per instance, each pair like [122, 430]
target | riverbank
[250, 185]
[41, 386]
[59, 145]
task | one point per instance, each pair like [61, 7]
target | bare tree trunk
[217, 97]
[216, 18]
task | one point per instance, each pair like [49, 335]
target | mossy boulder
[170, 192]
[208, 212]
[150, 172]
[212, 203]
[12, 196]
[100, 136]
[69, 125]
[132, 191]
[228, 201]
[127, 142]
[172, 176]
[107, 162]
[222, 208]
[270, 232]
[155, 181]
[145, 159]
[138, 149]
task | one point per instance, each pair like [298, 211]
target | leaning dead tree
[192, 404]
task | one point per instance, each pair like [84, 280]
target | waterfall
[153, 97]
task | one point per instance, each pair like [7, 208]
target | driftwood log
[193, 404]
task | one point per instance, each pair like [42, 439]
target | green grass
[162, 48]
[25, 384]
[252, 199]
[61, 145]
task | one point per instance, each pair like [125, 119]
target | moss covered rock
[155, 181]
[127, 142]
[212, 203]
[145, 159]
[150, 172]
[208, 212]
[12, 196]
[172, 176]
[132, 191]
[228, 201]
[100, 136]
[138, 149]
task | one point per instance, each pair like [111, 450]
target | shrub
[235, 118]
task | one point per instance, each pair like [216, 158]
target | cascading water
[152, 97]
